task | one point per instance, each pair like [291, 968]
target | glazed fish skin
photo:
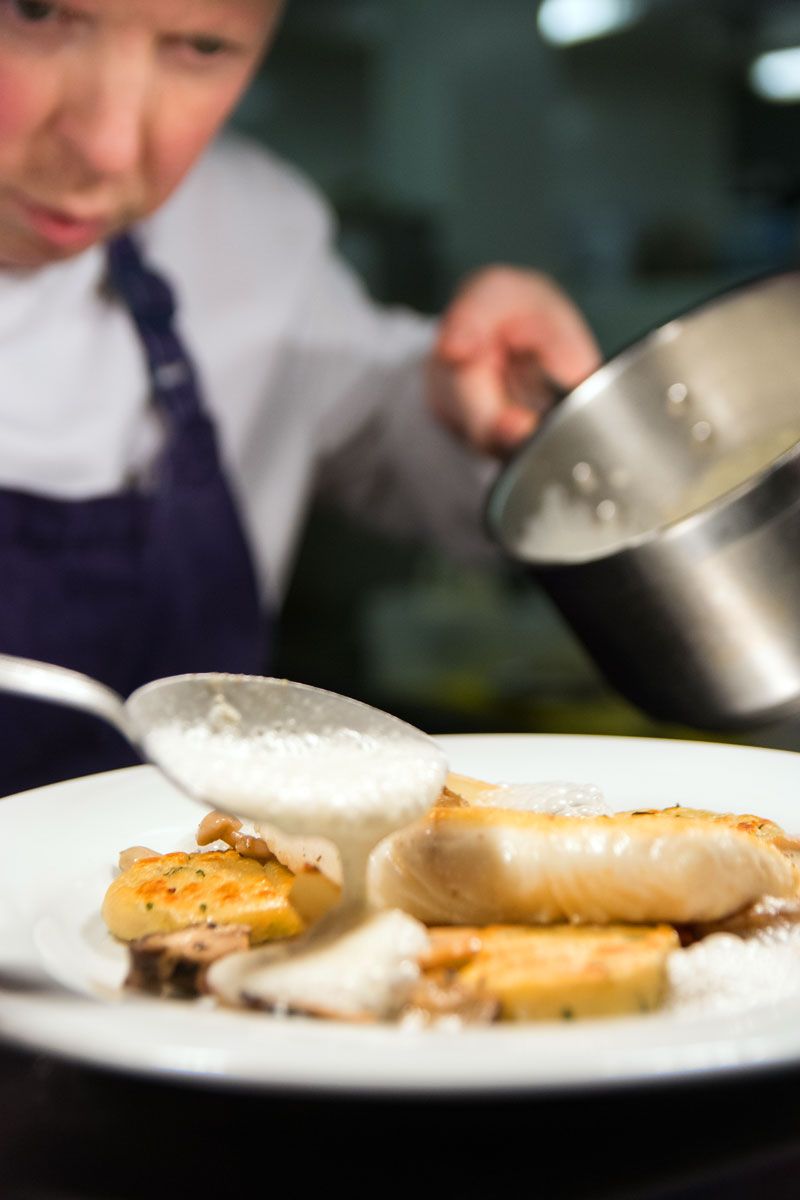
[481, 866]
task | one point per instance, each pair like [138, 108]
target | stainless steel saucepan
[659, 505]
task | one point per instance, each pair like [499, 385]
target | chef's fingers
[528, 313]
[472, 400]
[505, 340]
[557, 338]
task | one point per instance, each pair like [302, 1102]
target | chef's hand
[508, 339]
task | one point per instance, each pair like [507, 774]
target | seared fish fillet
[559, 972]
[483, 866]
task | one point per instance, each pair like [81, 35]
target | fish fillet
[482, 866]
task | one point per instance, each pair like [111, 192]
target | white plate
[60, 972]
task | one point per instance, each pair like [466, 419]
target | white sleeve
[380, 452]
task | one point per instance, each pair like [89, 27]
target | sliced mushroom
[175, 964]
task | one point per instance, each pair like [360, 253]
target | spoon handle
[59, 685]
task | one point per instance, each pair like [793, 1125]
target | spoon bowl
[225, 716]
[266, 748]
[307, 761]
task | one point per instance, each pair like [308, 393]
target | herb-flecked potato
[171, 891]
[560, 971]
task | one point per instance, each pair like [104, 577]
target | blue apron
[154, 581]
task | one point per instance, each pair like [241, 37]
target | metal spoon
[200, 730]
[308, 761]
[244, 706]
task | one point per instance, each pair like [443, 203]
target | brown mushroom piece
[175, 964]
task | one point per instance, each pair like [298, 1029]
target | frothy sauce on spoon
[346, 785]
[350, 787]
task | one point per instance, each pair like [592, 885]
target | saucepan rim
[600, 380]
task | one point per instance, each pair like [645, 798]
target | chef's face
[105, 105]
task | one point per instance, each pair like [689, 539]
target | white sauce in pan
[570, 527]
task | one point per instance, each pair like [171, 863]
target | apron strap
[151, 304]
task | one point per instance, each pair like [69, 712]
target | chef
[184, 362]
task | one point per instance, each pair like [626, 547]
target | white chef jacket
[310, 385]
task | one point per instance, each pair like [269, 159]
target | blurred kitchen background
[644, 152]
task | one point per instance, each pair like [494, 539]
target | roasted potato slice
[173, 891]
[561, 972]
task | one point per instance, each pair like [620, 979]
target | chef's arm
[404, 473]
[408, 435]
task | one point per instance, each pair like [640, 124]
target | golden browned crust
[561, 972]
[173, 891]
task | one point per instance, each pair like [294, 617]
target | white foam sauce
[725, 974]
[343, 780]
[558, 797]
[363, 972]
[569, 528]
[348, 787]
[733, 468]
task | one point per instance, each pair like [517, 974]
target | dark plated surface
[68, 1132]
